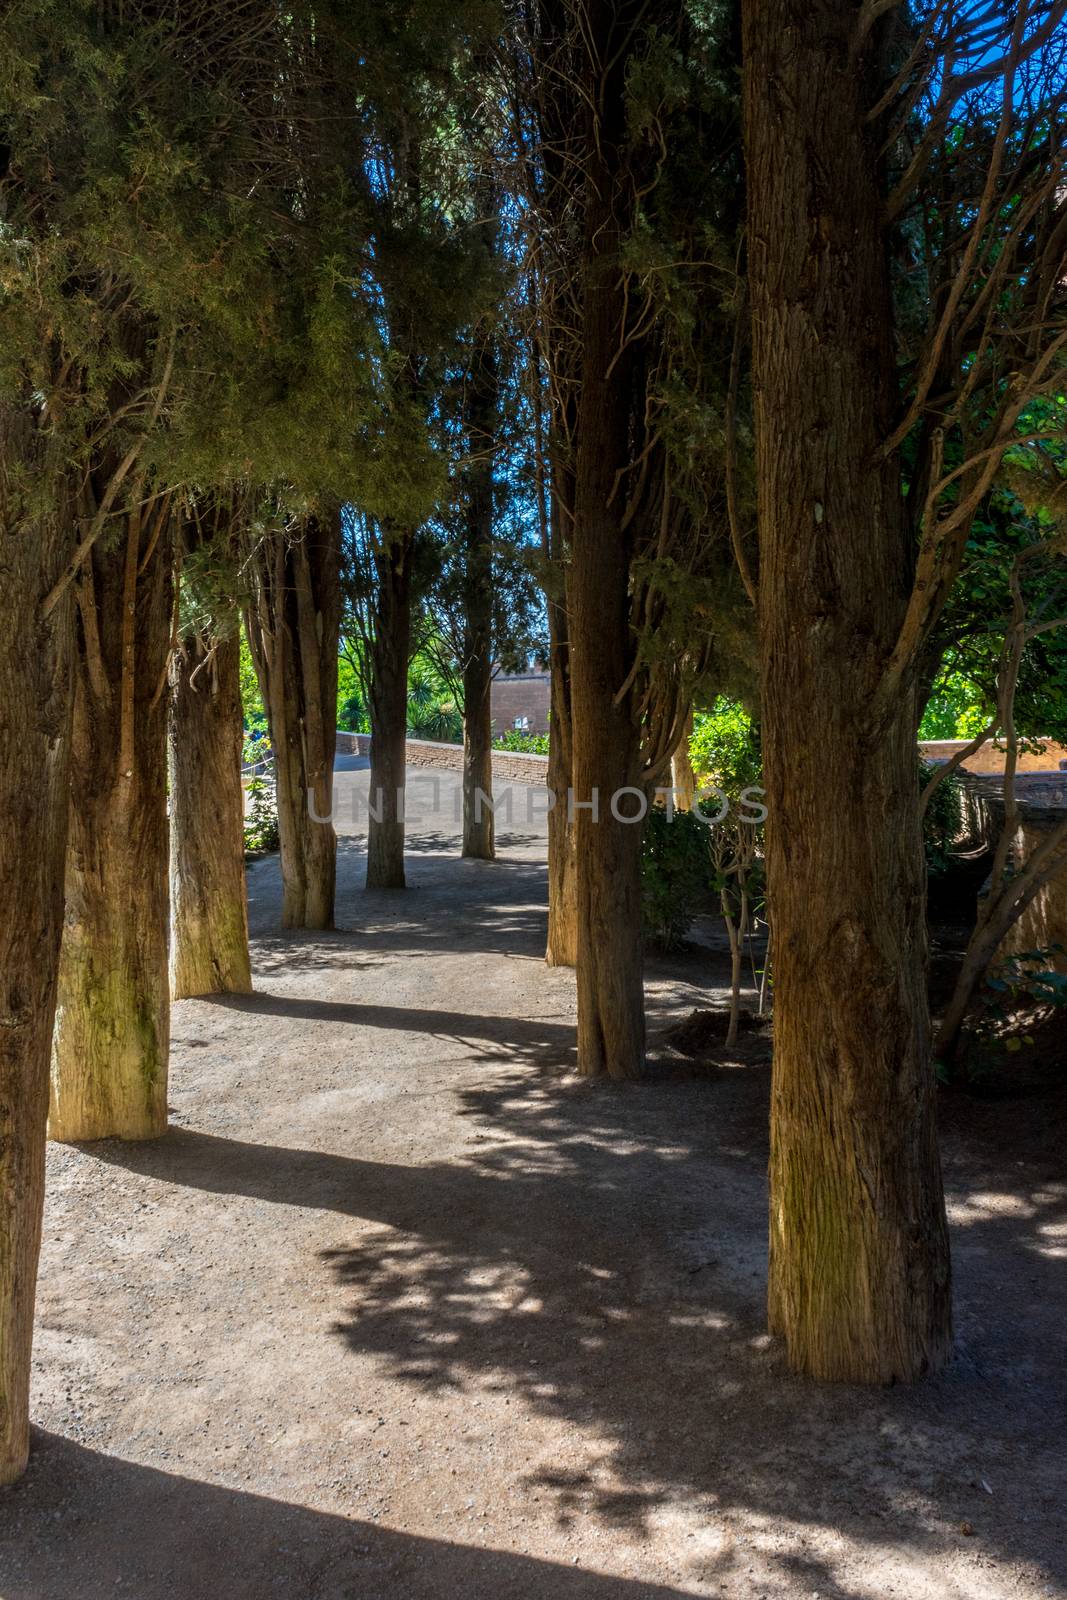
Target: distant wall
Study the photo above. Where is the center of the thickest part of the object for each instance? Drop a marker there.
(518, 695)
(508, 766)
(988, 759)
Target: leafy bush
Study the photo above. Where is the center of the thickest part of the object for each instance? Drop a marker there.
(528, 744)
(724, 747)
(674, 875)
(261, 815)
(438, 720)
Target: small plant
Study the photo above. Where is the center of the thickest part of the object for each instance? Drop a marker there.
(261, 816)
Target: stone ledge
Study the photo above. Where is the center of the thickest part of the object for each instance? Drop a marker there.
(509, 766)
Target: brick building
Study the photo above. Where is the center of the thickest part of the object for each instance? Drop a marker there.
(521, 700)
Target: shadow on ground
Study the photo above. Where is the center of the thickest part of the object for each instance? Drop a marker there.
(207, 1541)
(600, 1254)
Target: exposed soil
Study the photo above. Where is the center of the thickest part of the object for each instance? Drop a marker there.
(401, 1308)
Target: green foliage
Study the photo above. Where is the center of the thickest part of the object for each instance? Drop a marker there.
(943, 821)
(255, 717)
(432, 710)
(724, 747)
(1025, 987)
(674, 875)
(957, 707)
(963, 697)
(529, 744)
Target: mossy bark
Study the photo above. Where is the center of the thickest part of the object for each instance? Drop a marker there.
(683, 778)
(208, 903)
(293, 631)
(35, 658)
(109, 1062)
(859, 1262)
(562, 947)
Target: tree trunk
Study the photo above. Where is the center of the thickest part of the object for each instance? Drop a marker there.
(859, 1264)
(562, 948)
(390, 654)
(209, 911)
(683, 778)
(606, 751)
(293, 630)
(112, 1035)
(478, 825)
(35, 657)
(479, 833)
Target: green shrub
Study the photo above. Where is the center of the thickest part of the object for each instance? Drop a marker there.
(675, 875)
(724, 747)
(527, 744)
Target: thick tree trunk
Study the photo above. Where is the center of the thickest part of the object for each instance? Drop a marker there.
(208, 904)
(112, 1034)
(562, 950)
(390, 655)
(35, 657)
(293, 630)
(859, 1268)
(606, 752)
(478, 826)
(683, 778)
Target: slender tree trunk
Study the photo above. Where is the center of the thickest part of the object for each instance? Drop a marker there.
(683, 778)
(859, 1264)
(35, 658)
(209, 911)
(112, 1034)
(390, 655)
(479, 833)
(294, 631)
(606, 753)
(478, 825)
(562, 948)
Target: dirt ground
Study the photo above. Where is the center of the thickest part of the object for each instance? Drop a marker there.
(399, 1308)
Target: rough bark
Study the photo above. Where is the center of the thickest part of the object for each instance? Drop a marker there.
(562, 949)
(35, 656)
(112, 1034)
(859, 1265)
(208, 903)
(293, 630)
(390, 655)
(606, 750)
(478, 822)
(683, 778)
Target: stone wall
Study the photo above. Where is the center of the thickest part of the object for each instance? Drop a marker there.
(1042, 808)
(508, 766)
(988, 760)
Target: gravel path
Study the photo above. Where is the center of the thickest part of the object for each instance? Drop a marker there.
(400, 1308)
